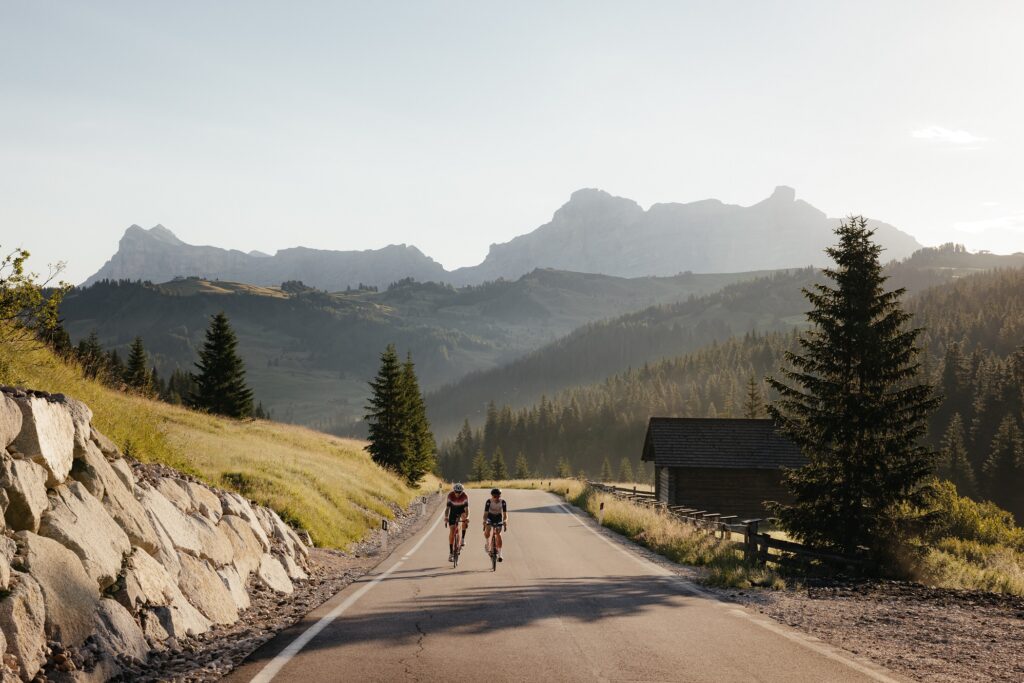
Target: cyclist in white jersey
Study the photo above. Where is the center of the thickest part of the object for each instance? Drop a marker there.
(495, 520)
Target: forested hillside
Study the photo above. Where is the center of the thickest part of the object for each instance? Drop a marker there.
(974, 343)
(308, 353)
(607, 347)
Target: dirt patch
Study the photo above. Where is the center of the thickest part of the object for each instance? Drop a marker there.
(929, 634)
(216, 653)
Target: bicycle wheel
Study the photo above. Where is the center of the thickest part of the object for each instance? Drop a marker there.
(494, 557)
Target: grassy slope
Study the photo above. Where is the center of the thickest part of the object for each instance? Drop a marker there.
(324, 484)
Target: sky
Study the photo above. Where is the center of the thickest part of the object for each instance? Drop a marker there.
(455, 125)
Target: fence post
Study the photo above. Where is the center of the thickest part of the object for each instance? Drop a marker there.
(384, 542)
(423, 505)
(600, 515)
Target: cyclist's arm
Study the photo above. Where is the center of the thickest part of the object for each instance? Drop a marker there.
(504, 514)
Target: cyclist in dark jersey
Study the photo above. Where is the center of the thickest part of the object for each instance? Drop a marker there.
(496, 519)
(456, 510)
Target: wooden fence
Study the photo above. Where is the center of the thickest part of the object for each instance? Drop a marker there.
(757, 545)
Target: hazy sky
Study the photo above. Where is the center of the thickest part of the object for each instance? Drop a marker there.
(452, 125)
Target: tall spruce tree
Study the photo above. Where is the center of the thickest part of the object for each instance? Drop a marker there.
(387, 413)
(606, 470)
(137, 375)
(481, 469)
(856, 408)
(954, 463)
(420, 454)
(498, 468)
(625, 470)
(522, 466)
(564, 469)
(753, 404)
(220, 385)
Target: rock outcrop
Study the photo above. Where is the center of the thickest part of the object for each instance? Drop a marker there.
(102, 561)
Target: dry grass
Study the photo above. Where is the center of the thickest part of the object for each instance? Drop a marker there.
(326, 485)
(665, 535)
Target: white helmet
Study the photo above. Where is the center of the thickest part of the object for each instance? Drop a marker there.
(457, 488)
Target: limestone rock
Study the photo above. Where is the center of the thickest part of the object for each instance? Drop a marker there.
(47, 436)
(166, 554)
(204, 501)
(69, 592)
(236, 505)
(22, 620)
(276, 529)
(117, 499)
(107, 447)
(25, 484)
(10, 421)
(205, 589)
(148, 590)
(78, 521)
(172, 490)
(235, 585)
(117, 633)
(248, 551)
(295, 572)
(81, 417)
(213, 542)
(271, 573)
(123, 471)
(8, 549)
(166, 516)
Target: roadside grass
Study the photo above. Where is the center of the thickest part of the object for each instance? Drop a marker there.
(324, 484)
(722, 560)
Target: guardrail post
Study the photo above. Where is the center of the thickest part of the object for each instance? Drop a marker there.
(384, 542)
(423, 505)
(600, 514)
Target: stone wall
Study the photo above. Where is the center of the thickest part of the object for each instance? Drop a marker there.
(102, 562)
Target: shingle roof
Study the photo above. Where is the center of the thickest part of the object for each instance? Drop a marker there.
(718, 442)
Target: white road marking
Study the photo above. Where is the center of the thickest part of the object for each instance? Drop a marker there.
(275, 665)
(798, 638)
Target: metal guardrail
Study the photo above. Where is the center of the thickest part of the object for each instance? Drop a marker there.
(756, 545)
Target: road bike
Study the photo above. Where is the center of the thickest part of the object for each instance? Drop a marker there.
(492, 543)
(457, 544)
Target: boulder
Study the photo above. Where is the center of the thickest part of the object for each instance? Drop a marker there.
(124, 472)
(147, 586)
(10, 421)
(295, 572)
(69, 593)
(107, 447)
(273, 575)
(117, 499)
(22, 621)
(78, 521)
(277, 530)
(81, 417)
(235, 585)
(47, 436)
(117, 633)
(248, 551)
(213, 542)
(205, 589)
(25, 484)
(204, 501)
(166, 516)
(166, 554)
(172, 490)
(8, 549)
(236, 505)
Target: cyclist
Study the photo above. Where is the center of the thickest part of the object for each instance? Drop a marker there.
(456, 510)
(496, 519)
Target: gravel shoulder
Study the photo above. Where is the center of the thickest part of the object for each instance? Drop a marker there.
(215, 654)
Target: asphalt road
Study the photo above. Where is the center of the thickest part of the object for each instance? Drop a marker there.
(567, 604)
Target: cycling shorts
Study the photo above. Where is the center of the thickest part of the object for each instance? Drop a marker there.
(455, 514)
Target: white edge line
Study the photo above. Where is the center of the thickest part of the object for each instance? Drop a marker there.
(275, 665)
(798, 638)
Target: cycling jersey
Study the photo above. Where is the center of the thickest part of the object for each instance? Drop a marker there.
(457, 505)
(495, 510)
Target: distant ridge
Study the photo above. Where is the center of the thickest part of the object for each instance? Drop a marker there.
(594, 232)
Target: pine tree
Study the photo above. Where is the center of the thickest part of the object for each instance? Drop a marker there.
(606, 470)
(1004, 467)
(625, 470)
(855, 407)
(220, 382)
(753, 405)
(522, 467)
(420, 455)
(387, 412)
(953, 461)
(498, 468)
(137, 375)
(90, 355)
(481, 470)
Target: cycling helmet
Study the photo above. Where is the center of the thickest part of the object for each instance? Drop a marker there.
(457, 488)
(495, 492)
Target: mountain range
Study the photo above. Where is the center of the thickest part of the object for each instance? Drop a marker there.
(594, 232)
